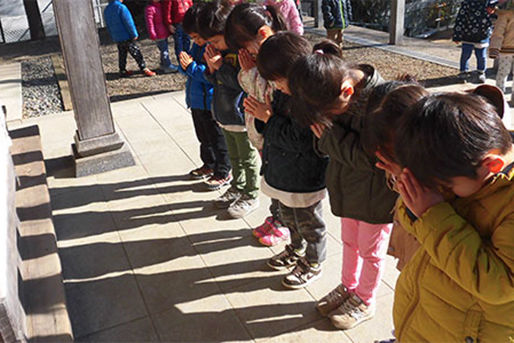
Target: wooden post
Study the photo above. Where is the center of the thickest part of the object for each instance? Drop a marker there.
(97, 146)
(396, 27)
(318, 19)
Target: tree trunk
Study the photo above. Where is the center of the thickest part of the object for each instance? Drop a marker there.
(34, 17)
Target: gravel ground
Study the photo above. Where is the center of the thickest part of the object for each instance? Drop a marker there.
(40, 91)
(41, 96)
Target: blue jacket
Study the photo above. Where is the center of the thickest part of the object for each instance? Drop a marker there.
(119, 22)
(227, 101)
(198, 88)
(473, 23)
(336, 13)
(290, 162)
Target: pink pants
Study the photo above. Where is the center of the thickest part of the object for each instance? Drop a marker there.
(364, 250)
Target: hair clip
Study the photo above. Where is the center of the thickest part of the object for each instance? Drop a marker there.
(319, 52)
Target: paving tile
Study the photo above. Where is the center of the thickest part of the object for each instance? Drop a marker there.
(140, 330)
(98, 304)
(390, 273)
(268, 309)
(77, 263)
(379, 327)
(317, 331)
(209, 319)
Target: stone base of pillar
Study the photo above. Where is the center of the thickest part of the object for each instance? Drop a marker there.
(102, 162)
(96, 145)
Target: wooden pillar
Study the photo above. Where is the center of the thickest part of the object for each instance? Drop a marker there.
(318, 14)
(97, 146)
(396, 27)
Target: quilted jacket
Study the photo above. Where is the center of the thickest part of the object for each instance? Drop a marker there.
(154, 21)
(336, 13)
(459, 286)
(119, 22)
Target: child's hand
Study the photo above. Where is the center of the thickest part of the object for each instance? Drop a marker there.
(388, 165)
(172, 29)
(258, 109)
(246, 61)
(318, 129)
(135, 38)
(185, 59)
(213, 58)
(417, 198)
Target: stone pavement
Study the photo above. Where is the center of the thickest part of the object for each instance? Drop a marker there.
(146, 257)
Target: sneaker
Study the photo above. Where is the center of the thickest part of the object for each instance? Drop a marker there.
(125, 73)
(148, 72)
(302, 275)
(216, 182)
(480, 77)
(463, 76)
(227, 198)
(332, 300)
(286, 258)
(243, 206)
(169, 69)
(200, 173)
(391, 340)
(276, 236)
(263, 229)
(351, 313)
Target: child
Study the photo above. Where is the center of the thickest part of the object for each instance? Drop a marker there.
(290, 12)
(473, 27)
(123, 31)
(458, 287)
(242, 197)
(332, 96)
(159, 33)
(213, 149)
(174, 11)
(502, 44)
(294, 173)
(336, 14)
(248, 26)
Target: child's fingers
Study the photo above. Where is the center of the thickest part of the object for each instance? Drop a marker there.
(409, 186)
(404, 193)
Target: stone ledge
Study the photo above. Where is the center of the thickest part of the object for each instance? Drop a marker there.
(42, 286)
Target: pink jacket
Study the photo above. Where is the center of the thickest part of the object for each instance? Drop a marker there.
(290, 13)
(154, 22)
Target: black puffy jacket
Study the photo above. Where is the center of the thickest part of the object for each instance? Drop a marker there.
(336, 13)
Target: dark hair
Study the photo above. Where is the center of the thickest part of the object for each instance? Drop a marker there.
(279, 52)
(211, 19)
(381, 122)
(246, 19)
(447, 135)
(189, 23)
(316, 80)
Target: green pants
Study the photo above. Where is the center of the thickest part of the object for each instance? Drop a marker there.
(245, 163)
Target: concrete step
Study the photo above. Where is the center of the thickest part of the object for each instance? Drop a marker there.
(42, 286)
(10, 91)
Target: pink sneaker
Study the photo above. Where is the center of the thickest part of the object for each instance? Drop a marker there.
(264, 228)
(276, 236)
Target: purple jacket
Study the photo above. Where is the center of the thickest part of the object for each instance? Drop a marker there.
(154, 22)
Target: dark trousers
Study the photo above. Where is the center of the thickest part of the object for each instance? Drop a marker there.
(213, 148)
(130, 46)
(308, 230)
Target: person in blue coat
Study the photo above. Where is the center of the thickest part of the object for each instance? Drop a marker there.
(213, 149)
(336, 17)
(122, 29)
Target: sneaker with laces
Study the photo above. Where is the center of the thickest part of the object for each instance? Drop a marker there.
(148, 72)
(286, 258)
(264, 228)
(332, 300)
(200, 173)
(351, 313)
(227, 198)
(216, 182)
(242, 206)
(302, 275)
(276, 236)
(463, 76)
(480, 77)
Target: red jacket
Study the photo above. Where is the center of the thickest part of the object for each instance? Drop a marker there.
(174, 10)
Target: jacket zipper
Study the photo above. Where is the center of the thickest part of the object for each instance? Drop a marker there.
(415, 300)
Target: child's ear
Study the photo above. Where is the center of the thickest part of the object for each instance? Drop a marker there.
(493, 163)
(265, 31)
(347, 90)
